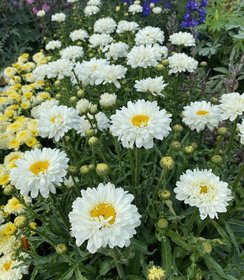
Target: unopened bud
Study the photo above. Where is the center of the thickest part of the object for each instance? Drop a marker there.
(222, 130)
(207, 247)
(8, 190)
(61, 248)
(156, 273)
(167, 162)
(165, 62)
(203, 64)
(102, 169)
(194, 145)
(72, 169)
(93, 109)
(217, 159)
(188, 149)
(165, 194)
(90, 132)
(175, 145)
(162, 223)
(84, 169)
(58, 96)
(91, 167)
(21, 221)
(93, 141)
(178, 128)
(80, 93)
(160, 67)
(73, 99)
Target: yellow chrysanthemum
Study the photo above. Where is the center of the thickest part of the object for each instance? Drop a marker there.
(23, 135)
(8, 229)
(14, 127)
(25, 105)
(28, 94)
(14, 206)
(9, 72)
(14, 144)
(10, 159)
(31, 142)
(4, 179)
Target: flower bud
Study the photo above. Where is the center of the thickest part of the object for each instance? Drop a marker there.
(188, 150)
(73, 99)
(217, 159)
(72, 169)
(80, 93)
(90, 132)
(33, 225)
(175, 145)
(58, 96)
(17, 245)
(57, 83)
(222, 130)
(203, 64)
(165, 194)
(102, 169)
(162, 223)
(93, 109)
(207, 247)
(194, 145)
(117, 8)
(156, 273)
(84, 169)
(83, 106)
(152, 5)
(21, 221)
(159, 67)
(61, 248)
(93, 141)
(91, 167)
(8, 190)
(178, 128)
(167, 162)
(165, 62)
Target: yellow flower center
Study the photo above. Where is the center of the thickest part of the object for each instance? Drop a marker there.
(140, 120)
(202, 112)
(203, 189)
(105, 210)
(39, 167)
(7, 265)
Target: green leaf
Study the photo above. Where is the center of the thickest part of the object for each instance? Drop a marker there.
(106, 266)
(212, 264)
(78, 274)
(176, 238)
(67, 275)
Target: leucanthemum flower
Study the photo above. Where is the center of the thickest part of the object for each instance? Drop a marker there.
(104, 25)
(205, 190)
(72, 53)
(79, 34)
(241, 131)
(52, 45)
(8, 270)
(135, 8)
(182, 38)
(116, 50)
(100, 40)
(149, 35)
(105, 217)
(108, 100)
(56, 121)
(151, 85)
(112, 73)
(144, 56)
(91, 10)
(126, 26)
(140, 123)
(201, 114)
(58, 17)
(39, 171)
(180, 62)
(231, 105)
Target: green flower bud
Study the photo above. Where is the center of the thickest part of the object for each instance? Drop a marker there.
(8, 190)
(102, 169)
(175, 145)
(73, 99)
(21, 221)
(162, 223)
(72, 169)
(165, 62)
(217, 159)
(61, 248)
(165, 194)
(156, 273)
(58, 96)
(203, 64)
(80, 93)
(222, 130)
(84, 169)
(194, 145)
(91, 167)
(93, 141)
(207, 247)
(159, 67)
(167, 162)
(178, 128)
(188, 150)
(90, 132)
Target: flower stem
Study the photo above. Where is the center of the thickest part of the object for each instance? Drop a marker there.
(119, 267)
(137, 166)
(239, 176)
(232, 137)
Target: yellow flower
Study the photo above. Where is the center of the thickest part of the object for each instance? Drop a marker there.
(13, 127)
(156, 273)
(4, 179)
(26, 88)
(28, 94)
(9, 113)
(23, 135)
(39, 58)
(13, 144)
(14, 96)
(10, 159)
(17, 79)
(43, 96)
(13, 206)
(23, 58)
(29, 66)
(31, 142)
(33, 225)
(8, 229)
(9, 72)
(25, 105)
(29, 77)
(39, 84)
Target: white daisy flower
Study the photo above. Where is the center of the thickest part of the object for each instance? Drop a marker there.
(2, 219)
(241, 134)
(72, 53)
(91, 72)
(135, 8)
(232, 105)
(157, 10)
(58, 17)
(52, 45)
(126, 26)
(152, 85)
(100, 40)
(102, 121)
(105, 25)
(8, 269)
(39, 171)
(140, 123)
(112, 73)
(201, 114)
(149, 35)
(108, 100)
(91, 10)
(180, 62)
(105, 217)
(43, 106)
(116, 50)
(79, 34)
(82, 126)
(144, 56)
(182, 38)
(56, 121)
(203, 189)
(94, 2)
